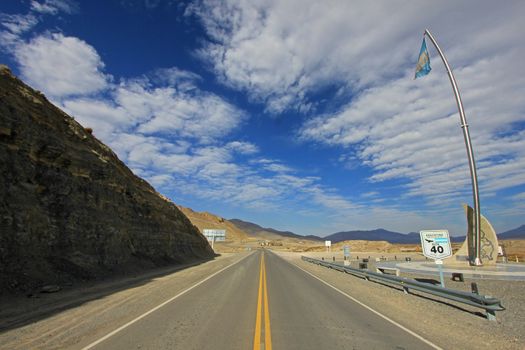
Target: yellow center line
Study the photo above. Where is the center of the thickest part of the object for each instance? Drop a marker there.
(267, 329)
(257, 336)
(258, 320)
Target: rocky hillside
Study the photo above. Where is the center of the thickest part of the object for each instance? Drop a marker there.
(269, 233)
(69, 208)
(205, 220)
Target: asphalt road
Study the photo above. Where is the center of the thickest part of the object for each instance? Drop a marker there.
(262, 302)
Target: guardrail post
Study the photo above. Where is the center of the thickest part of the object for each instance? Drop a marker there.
(491, 315)
(488, 303)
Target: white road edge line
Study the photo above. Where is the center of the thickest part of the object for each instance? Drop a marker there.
(90, 346)
(428, 342)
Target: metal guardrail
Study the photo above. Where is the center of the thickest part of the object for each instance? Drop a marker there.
(489, 304)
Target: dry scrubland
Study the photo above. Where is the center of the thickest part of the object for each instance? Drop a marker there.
(239, 240)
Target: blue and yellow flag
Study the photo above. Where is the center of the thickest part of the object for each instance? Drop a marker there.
(423, 63)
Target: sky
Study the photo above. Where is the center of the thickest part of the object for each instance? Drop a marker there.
(300, 115)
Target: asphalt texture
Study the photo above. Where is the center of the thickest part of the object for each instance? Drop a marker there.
(263, 302)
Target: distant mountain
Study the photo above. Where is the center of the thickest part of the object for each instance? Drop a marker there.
(374, 235)
(410, 238)
(517, 233)
(256, 230)
(380, 234)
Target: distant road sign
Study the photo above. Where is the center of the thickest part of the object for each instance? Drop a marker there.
(214, 235)
(435, 244)
(346, 251)
(327, 243)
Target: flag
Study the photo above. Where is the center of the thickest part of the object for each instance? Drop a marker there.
(423, 63)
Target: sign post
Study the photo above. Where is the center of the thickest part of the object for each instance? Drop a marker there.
(436, 245)
(346, 253)
(214, 235)
(328, 244)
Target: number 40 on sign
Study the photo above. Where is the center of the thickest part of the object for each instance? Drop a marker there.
(435, 244)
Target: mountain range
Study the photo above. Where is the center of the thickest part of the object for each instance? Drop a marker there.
(269, 233)
(370, 235)
(410, 238)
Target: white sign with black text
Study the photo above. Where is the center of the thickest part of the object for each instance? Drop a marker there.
(435, 244)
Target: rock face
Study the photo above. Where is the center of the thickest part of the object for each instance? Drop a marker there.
(69, 208)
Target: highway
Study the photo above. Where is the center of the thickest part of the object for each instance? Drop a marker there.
(261, 302)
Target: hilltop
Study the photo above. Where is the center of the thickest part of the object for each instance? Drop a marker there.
(269, 233)
(242, 235)
(236, 238)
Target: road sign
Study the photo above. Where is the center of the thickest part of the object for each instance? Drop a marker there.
(435, 244)
(217, 235)
(214, 235)
(327, 243)
(346, 251)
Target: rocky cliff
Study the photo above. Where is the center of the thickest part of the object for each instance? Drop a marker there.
(69, 208)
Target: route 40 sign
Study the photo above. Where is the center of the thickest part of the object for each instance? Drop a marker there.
(435, 244)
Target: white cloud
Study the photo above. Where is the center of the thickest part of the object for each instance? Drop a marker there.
(104, 117)
(371, 194)
(53, 7)
(18, 24)
(276, 51)
(173, 76)
(519, 197)
(246, 148)
(279, 51)
(167, 110)
(410, 129)
(60, 65)
(278, 168)
(282, 53)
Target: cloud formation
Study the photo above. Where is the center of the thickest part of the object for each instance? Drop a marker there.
(410, 129)
(284, 53)
(164, 126)
(53, 7)
(61, 65)
(279, 52)
(344, 70)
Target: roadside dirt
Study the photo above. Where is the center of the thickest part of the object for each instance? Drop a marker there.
(74, 317)
(448, 324)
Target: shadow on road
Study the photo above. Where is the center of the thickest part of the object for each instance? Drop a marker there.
(20, 310)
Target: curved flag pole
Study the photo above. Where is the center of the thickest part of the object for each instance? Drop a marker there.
(470, 153)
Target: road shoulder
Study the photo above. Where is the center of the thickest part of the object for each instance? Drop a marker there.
(446, 324)
(79, 316)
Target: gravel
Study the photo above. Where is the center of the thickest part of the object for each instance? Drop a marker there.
(448, 324)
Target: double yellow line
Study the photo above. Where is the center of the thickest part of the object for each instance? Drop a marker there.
(258, 321)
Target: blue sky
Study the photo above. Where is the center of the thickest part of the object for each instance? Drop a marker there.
(299, 115)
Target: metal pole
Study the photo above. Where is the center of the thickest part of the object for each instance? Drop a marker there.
(470, 154)
(441, 279)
